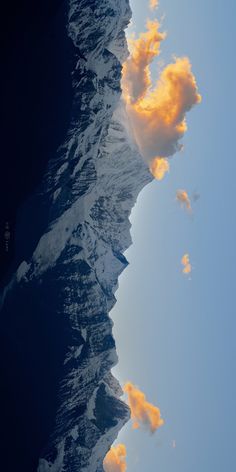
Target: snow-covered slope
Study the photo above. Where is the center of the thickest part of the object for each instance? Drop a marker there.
(90, 189)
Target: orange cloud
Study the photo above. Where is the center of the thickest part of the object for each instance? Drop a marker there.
(153, 4)
(142, 412)
(183, 198)
(157, 112)
(115, 460)
(136, 76)
(158, 119)
(186, 263)
(158, 167)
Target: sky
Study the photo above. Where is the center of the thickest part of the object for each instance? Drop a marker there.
(175, 333)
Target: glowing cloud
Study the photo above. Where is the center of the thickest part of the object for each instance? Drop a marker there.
(142, 412)
(183, 198)
(186, 263)
(153, 4)
(136, 76)
(158, 119)
(115, 460)
(157, 112)
(158, 167)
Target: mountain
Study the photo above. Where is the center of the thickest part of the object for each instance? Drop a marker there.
(57, 331)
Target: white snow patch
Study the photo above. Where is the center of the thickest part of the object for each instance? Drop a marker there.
(57, 466)
(91, 405)
(56, 194)
(22, 271)
(84, 333)
(74, 433)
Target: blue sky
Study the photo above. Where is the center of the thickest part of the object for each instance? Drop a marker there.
(176, 337)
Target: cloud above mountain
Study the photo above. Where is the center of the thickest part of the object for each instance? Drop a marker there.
(136, 77)
(183, 199)
(157, 111)
(187, 267)
(159, 167)
(143, 413)
(153, 4)
(115, 460)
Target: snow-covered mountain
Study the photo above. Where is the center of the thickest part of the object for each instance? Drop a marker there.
(89, 190)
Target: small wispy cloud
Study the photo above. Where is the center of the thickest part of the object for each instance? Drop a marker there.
(187, 267)
(153, 4)
(158, 167)
(143, 413)
(183, 199)
(115, 460)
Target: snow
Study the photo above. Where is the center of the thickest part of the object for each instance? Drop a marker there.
(57, 466)
(84, 333)
(91, 405)
(89, 228)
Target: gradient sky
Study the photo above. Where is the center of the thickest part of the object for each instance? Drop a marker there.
(176, 337)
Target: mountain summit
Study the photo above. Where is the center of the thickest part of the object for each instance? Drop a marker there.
(56, 305)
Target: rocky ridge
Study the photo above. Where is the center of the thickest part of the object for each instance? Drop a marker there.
(90, 189)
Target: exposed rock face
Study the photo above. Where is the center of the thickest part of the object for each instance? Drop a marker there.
(89, 190)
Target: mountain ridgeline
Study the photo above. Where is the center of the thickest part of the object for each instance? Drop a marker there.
(62, 408)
